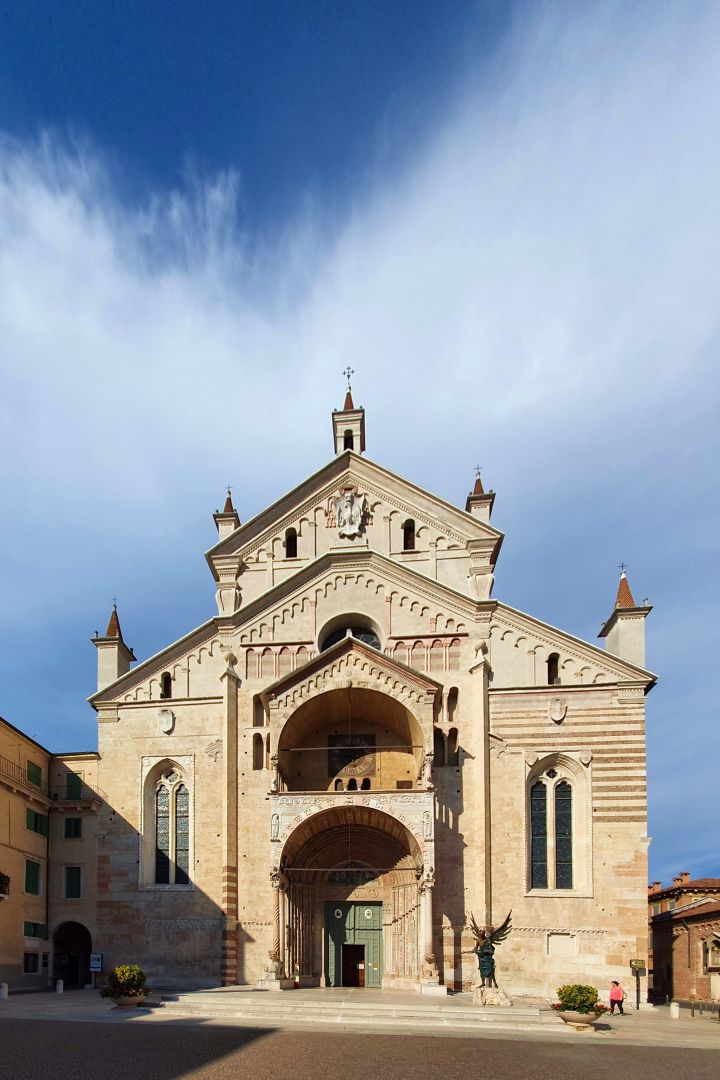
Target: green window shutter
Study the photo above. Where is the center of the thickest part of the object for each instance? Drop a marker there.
(72, 882)
(30, 819)
(34, 773)
(36, 822)
(32, 877)
(73, 828)
(73, 786)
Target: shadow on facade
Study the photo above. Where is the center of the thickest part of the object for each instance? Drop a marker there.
(450, 847)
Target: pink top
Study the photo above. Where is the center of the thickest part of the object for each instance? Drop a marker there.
(616, 993)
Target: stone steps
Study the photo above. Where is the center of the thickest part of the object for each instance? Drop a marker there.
(295, 1010)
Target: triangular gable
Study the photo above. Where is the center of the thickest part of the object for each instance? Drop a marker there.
(350, 468)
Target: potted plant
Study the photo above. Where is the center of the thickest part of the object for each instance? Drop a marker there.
(4, 886)
(126, 986)
(578, 1004)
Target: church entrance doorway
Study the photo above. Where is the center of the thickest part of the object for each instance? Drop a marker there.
(72, 946)
(353, 944)
(353, 965)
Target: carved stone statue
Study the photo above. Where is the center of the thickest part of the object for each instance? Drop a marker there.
(350, 509)
(485, 943)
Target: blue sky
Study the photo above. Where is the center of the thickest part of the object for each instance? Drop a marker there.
(503, 216)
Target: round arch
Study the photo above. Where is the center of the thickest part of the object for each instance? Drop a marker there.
(72, 945)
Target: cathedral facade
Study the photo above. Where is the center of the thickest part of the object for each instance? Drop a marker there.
(321, 783)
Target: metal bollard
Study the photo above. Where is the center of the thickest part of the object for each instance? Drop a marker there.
(59, 986)
(3, 991)
(692, 1006)
(674, 1010)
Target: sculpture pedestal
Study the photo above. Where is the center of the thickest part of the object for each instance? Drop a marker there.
(488, 995)
(271, 983)
(433, 988)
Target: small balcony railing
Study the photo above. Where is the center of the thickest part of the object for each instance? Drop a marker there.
(73, 792)
(18, 775)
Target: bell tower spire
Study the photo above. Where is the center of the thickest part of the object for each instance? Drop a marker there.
(349, 422)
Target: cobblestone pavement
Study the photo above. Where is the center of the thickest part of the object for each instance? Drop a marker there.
(54, 1050)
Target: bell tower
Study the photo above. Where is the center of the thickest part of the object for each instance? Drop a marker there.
(349, 423)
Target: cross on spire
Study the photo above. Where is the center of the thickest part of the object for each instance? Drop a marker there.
(622, 567)
(348, 372)
(114, 603)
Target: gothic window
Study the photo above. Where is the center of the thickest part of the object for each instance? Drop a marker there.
(553, 662)
(166, 685)
(552, 840)
(408, 531)
(172, 830)
(291, 544)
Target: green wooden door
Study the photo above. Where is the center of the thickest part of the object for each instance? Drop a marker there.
(353, 924)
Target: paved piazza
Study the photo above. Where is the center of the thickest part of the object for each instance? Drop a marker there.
(163, 1051)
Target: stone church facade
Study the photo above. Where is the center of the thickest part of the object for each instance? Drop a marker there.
(320, 783)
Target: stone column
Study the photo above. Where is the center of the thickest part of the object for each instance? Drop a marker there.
(274, 977)
(429, 975)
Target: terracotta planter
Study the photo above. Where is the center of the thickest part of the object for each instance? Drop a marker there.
(126, 1001)
(577, 1019)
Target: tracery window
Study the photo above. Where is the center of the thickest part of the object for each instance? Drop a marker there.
(551, 814)
(172, 830)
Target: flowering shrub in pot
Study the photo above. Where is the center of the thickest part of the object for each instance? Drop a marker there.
(126, 985)
(578, 1004)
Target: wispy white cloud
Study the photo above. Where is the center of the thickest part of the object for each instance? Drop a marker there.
(537, 288)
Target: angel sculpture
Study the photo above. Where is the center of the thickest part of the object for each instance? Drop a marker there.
(485, 943)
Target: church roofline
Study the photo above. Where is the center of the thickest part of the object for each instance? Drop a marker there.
(346, 462)
(608, 659)
(137, 674)
(345, 645)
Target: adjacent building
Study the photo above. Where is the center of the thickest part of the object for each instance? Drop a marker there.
(48, 867)
(684, 957)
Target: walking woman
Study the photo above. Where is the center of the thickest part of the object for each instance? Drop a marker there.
(617, 996)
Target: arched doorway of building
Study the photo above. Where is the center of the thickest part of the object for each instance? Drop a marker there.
(353, 904)
(72, 946)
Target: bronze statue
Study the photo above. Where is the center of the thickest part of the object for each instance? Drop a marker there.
(485, 943)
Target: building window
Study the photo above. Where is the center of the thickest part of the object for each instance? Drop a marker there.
(34, 929)
(553, 664)
(166, 685)
(73, 786)
(172, 830)
(408, 531)
(72, 885)
(73, 828)
(556, 797)
(291, 545)
(348, 440)
(34, 774)
(32, 877)
(36, 822)
(31, 963)
(258, 752)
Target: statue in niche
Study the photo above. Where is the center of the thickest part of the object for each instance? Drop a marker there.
(485, 942)
(350, 510)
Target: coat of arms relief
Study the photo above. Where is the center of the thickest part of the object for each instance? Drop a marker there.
(349, 513)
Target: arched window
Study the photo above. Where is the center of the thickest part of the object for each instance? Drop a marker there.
(408, 531)
(365, 785)
(166, 685)
(348, 440)
(172, 830)
(258, 752)
(438, 748)
(452, 705)
(453, 750)
(352, 784)
(552, 840)
(357, 630)
(258, 712)
(291, 547)
(553, 662)
(339, 785)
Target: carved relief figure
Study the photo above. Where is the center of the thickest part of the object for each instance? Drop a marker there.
(350, 509)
